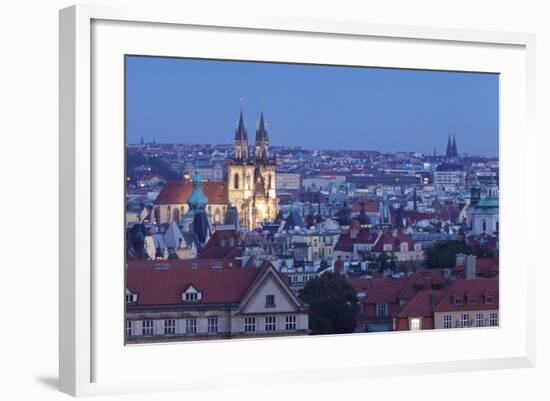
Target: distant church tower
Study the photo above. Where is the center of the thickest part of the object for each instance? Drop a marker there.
(452, 150)
(252, 181)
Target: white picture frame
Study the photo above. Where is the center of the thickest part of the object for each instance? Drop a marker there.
(93, 360)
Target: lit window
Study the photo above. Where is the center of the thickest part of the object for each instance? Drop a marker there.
(493, 321)
(212, 324)
(249, 324)
(479, 319)
(465, 320)
(147, 327)
(191, 326)
(447, 322)
(381, 309)
(415, 324)
(291, 322)
(169, 326)
(270, 323)
(270, 301)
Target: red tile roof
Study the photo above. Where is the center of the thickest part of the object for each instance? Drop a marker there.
(422, 304)
(385, 290)
(422, 279)
(395, 241)
(364, 236)
(164, 287)
(477, 288)
(177, 192)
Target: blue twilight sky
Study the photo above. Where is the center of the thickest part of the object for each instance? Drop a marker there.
(175, 100)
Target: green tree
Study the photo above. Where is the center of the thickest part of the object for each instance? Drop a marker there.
(443, 254)
(332, 304)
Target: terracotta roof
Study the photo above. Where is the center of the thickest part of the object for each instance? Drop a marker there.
(477, 288)
(364, 236)
(164, 287)
(422, 304)
(177, 192)
(388, 239)
(385, 290)
(221, 252)
(422, 279)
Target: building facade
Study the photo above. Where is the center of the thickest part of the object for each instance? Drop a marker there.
(252, 181)
(177, 304)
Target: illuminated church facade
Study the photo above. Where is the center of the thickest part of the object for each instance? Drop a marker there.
(250, 187)
(251, 180)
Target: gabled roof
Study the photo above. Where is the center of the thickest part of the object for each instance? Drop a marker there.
(178, 192)
(422, 304)
(385, 290)
(476, 288)
(364, 236)
(395, 241)
(164, 287)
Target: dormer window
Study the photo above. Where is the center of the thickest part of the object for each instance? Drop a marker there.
(270, 301)
(471, 300)
(489, 299)
(457, 300)
(131, 298)
(191, 294)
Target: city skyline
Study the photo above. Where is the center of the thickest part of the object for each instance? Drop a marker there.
(172, 100)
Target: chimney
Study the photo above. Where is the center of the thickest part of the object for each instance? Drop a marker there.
(460, 259)
(471, 267)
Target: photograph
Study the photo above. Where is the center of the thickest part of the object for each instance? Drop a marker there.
(271, 199)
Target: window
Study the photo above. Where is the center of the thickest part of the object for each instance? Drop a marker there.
(212, 324)
(270, 301)
(147, 327)
(479, 319)
(381, 309)
(291, 323)
(471, 300)
(489, 299)
(249, 324)
(465, 320)
(128, 328)
(236, 181)
(191, 296)
(457, 300)
(447, 321)
(169, 326)
(415, 324)
(131, 298)
(493, 321)
(270, 323)
(191, 326)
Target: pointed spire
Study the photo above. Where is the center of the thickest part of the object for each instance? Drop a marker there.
(262, 140)
(449, 152)
(455, 150)
(240, 132)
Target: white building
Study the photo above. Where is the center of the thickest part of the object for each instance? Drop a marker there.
(176, 304)
(449, 177)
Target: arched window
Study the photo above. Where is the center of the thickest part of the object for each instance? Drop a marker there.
(484, 226)
(217, 216)
(236, 181)
(269, 182)
(176, 215)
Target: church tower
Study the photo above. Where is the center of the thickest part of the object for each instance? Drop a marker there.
(252, 181)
